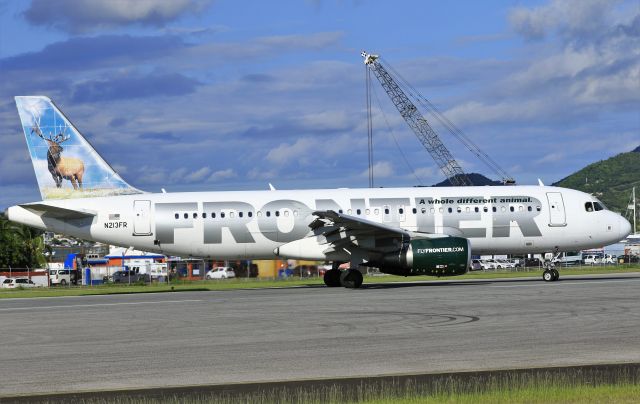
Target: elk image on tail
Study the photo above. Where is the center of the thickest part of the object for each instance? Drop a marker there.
(68, 168)
(65, 164)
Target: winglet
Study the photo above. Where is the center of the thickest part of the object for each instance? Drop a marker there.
(271, 187)
(540, 182)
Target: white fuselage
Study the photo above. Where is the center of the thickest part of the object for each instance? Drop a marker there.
(252, 224)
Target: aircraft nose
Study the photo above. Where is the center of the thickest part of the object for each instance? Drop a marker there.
(625, 228)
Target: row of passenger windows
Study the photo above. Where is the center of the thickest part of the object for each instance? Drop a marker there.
(367, 212)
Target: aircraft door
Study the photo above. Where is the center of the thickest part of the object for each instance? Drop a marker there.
(142, 218)
(557, 215)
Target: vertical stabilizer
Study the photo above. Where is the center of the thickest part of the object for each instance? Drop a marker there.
(66, 165)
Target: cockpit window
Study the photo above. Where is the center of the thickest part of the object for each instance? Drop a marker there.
(588, 207)
(598, 206)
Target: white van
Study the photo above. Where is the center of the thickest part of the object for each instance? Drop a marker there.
(60, 277)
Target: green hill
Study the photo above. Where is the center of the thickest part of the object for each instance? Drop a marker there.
(609, 180)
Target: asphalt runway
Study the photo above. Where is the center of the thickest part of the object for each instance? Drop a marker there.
(196, 338)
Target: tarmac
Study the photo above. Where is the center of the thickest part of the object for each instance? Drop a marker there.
(91, 343)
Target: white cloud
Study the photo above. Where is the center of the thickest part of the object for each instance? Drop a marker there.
(197, 175)
(572, 18)
(284, 153)
(381, 169)
(93, 15)
(221, 175)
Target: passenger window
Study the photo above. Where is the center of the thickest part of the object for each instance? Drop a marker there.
(386, 211)
(295, 213)
(232, 214)
(286, 213)
(195, 215)
(477, 209)
(259, 214)
(401, 211)
(485, 209)
(459, 209)
(440, 210)
(495, 209)
(415, 211)
(213, 215)
(520, 208)
(339, 210)
(468, 209)
(240, 214)
(511, 208)
(503, 209)
(349, 211)
(204, 215)
(450, 210)
(177, 216)
(376, 212)
(529, 208)
(268, 213)
(277, 213)
(538, 208)
(186, 215)
(357, 211)
(367, 212)
(222, 215)
(249, 214)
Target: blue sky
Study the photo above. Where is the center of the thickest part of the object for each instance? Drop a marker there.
(224, 95)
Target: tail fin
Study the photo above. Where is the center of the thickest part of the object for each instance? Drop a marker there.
(66, 165)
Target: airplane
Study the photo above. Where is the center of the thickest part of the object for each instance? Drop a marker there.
(401, 231)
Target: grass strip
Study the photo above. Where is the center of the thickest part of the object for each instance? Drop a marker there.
(256, 283)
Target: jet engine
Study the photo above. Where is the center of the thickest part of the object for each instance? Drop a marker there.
(442, 256)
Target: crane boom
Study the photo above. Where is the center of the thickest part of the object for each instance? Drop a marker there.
(425, 133)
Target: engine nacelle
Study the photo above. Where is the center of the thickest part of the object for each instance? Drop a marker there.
(443, 256)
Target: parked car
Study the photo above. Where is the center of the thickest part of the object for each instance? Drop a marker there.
(628, 259)
(533, 262)
(592, 259)
(475, 265)
(129, 277)
(220, 273)
(14, 283)
(483, 264)
(62, 277)
(505, 263)
(609, 259)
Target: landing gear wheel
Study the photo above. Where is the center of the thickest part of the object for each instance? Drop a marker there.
(548, 275)
(332, 278)
(556, 274)
(351, 278)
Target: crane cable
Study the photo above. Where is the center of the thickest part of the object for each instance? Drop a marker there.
(369, 125)
(393, 136)
(454, 130)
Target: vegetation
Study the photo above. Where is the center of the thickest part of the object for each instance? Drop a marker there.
(610, 180)
(20, 246)
(618, 384)
(257, 283)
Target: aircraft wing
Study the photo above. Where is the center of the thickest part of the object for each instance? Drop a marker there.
(57, 212)
(342, 231)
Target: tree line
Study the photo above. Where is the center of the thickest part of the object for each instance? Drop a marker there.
(20, 246)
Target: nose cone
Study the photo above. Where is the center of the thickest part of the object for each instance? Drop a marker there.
(625, 228)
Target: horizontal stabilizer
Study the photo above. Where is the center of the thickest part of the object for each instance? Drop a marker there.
(58, 212)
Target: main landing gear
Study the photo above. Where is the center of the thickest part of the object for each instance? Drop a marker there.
(350, 278)
(550, 273)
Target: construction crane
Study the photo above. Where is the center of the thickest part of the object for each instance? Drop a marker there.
(425, 133)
